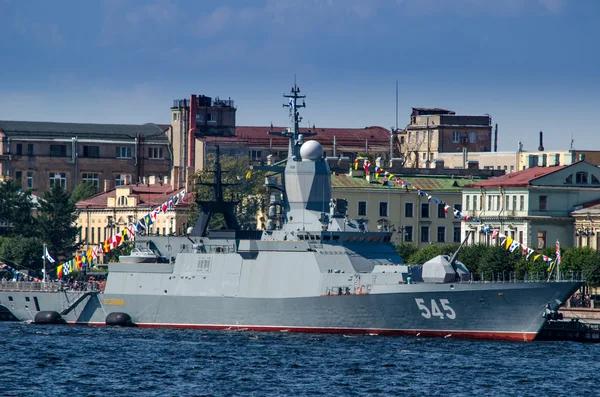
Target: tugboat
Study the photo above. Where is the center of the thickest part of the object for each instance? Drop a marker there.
(312, 269)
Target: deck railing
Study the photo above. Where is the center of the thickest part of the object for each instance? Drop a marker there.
(30, 286)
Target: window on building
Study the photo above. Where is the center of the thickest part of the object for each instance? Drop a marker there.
(514, 203)
(60, 178)
(521, 203)
(595, 180)
(467, 202)
(29, 183)
(123, 152)
(521, 237)
(408, 210)
(383, 208)
(121, 179)
(19, 149)
(498, 202)
(441, 234)
(200, 117)
(456, 136)
(94, 179)
(19, 177)
(58, 150)
(91, 151)
(441, 212)
(581, 177)
(155, 153)
(543, 203)
(408, 235)
(474, 203)
(175, 116)
(541, 240)
(424, 210)
(489, 207)
(424, 234)
(211, 117)
(569, 180)
(255, 154)
(456, 234)
(362, 208)
(30, 149)
(512, 168)
(473, 137)
(93, 237)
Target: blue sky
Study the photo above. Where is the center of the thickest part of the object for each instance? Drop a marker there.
(532, 64)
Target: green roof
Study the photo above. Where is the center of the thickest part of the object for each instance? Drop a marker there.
(426, 183)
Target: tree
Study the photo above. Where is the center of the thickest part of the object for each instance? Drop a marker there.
(56, 218)
(406, 250)
(23, 253)
(496, 263)
(83, 191)
(249, 192)
(424, 255)
(471, 256)
(16, 210)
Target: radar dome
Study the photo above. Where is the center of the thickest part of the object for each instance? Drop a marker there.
(311, 151)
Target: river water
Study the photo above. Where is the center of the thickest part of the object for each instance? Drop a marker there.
(60, 360)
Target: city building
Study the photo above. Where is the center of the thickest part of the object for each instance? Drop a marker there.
(201, 123)
(39, 154)
(108, 213)
(586, 219)
(532, 206)
(414, 218)
(434, 130)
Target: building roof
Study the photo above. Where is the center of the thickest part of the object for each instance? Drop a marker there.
(591, 207)
(46, 129)
(148, 196)
(437, 184)
(516, 179)
(345, 137)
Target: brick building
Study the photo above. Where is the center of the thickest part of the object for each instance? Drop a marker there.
(39, 154)
(433, 130)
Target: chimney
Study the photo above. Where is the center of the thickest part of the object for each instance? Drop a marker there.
(541, 147)
(496, 138)
(581, 157)
(127, 180)
(439, 164)
(152, 179)
(191, 147)
(472, 165)
(106, 185)
(176, 178)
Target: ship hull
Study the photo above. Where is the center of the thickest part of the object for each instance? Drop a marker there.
(508, 311)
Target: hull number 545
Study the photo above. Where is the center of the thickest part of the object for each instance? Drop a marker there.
(433, 310)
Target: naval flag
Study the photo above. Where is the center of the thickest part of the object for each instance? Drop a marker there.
(47, 255)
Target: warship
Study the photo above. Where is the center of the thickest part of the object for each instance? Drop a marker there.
(312, 269)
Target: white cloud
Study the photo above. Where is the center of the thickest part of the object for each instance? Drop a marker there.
(161, 12)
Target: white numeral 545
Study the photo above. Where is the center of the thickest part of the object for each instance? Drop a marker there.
(435, 309)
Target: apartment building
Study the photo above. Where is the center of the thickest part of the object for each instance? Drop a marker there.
(40, 154)
(532, 206)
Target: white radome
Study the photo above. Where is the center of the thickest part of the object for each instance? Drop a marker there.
(311, 151)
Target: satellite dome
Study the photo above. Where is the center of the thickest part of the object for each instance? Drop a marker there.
(311, 151)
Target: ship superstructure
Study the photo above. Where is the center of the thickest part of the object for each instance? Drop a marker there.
(312, 269)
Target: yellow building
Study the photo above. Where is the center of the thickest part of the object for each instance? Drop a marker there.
(107, 214)
(415, 218)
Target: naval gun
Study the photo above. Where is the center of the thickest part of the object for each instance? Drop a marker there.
(445, 268)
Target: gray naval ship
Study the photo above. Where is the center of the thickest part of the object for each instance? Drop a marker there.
(311, 270)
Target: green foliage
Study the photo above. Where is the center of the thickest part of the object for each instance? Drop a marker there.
(16, 210)
(23, 253)
(83, 191)
(123, 249)
(406, 250)
(585, 260)
(56, 218)
(250, 193)
(496, 263)
(424, 255)
(471, 256)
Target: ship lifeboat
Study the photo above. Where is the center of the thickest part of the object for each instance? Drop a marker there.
(119, 319)
(48, 317)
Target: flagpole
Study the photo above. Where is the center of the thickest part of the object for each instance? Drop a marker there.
(44, 257)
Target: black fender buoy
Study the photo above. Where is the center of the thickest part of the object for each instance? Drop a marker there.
(119, 319)
(48, 317)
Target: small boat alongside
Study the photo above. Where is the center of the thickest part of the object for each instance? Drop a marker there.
(140, 255)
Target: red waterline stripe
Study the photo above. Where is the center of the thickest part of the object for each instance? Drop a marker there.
(495, 335)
